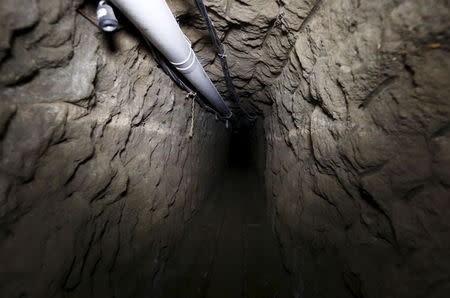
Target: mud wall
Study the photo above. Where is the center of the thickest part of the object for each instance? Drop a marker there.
(358, 150)
(98, 174)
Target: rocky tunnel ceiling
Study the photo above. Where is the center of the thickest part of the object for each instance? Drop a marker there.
(258, 38)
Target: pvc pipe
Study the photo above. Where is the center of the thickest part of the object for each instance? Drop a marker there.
(157, 23)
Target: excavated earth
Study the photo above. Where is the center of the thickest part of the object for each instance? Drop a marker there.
(103, 192)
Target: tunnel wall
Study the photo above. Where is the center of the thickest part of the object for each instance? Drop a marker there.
(358, 151)
(357, 143)
(97, 173)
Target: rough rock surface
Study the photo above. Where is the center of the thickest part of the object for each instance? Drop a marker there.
(97, 171)
(258, 36)
(95, 157)
(358, 150)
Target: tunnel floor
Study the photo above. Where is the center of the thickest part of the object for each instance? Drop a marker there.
(229, 249)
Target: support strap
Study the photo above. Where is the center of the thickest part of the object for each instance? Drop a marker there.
(223, 58)
(191, 129)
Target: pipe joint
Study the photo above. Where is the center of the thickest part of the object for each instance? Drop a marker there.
(188, 65)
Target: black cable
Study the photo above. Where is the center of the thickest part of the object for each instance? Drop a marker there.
(223, 58)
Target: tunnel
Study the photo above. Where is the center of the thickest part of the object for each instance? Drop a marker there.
(329, 178)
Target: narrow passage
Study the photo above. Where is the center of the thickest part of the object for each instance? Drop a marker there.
(229, 250)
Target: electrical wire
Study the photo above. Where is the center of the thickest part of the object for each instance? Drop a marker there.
(223, 58)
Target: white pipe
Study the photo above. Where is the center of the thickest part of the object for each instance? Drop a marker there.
(155, 20)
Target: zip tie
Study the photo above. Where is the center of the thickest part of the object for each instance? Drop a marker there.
(222, 55)
(191, 130)
(191, 95)
(228, 117)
